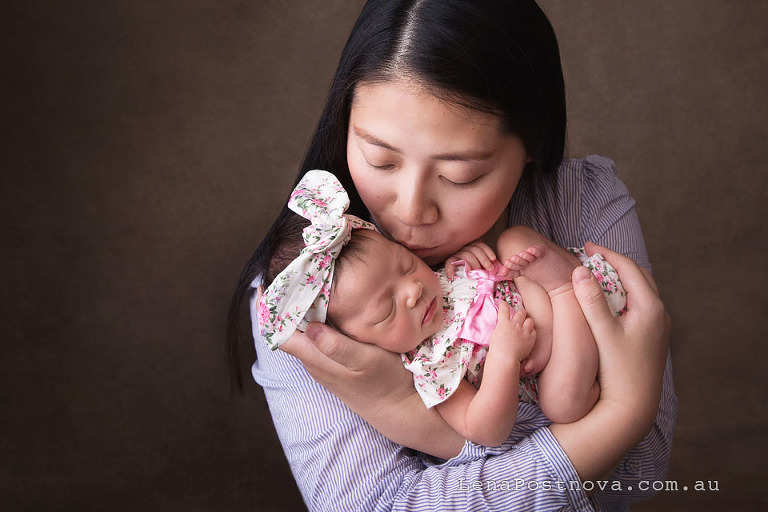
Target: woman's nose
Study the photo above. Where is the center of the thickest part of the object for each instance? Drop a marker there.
(413, 290)
(414, 206)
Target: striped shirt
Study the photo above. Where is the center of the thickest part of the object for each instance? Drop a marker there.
(341, 463)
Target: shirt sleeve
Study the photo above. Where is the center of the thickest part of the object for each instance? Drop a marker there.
(341, 463)
(608, 216)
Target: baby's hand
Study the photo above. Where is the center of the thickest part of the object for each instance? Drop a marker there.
(477, 255)
(515, 335)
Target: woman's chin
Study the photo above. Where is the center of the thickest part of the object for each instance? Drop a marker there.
(432, 256)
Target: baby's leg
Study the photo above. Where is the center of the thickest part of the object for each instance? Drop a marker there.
(567, 385)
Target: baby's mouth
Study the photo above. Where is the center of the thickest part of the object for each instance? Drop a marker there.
(429, 314)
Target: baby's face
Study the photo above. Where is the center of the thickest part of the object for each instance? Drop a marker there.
(388, 297)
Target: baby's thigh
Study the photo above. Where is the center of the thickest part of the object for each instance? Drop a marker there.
(538, 306)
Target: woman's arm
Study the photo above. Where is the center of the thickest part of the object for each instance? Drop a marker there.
(630, 375)
(374, 383)
(341, 463)
(338, 460)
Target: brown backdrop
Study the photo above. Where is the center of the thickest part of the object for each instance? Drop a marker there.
(147, 146)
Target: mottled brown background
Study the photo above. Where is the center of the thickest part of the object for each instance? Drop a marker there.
(147, 145)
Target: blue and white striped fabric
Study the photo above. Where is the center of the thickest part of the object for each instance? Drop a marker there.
(342, 463)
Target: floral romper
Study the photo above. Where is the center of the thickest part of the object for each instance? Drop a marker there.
(441, 361)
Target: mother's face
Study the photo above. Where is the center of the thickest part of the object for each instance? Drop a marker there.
(434, 175)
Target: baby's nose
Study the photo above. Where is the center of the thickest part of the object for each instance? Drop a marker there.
(415, 290)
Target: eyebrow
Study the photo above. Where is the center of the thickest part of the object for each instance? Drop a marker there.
(461, 156)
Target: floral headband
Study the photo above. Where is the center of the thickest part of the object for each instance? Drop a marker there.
(299, 294)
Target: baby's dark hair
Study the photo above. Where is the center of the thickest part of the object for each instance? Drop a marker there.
(289, 246)
(286, 247)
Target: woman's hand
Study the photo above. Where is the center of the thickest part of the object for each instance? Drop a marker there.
(351, 370)
(373, 383)
(632, 348)
(357, 373)
(632, 352)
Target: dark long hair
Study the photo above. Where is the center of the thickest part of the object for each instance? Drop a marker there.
(494, 56)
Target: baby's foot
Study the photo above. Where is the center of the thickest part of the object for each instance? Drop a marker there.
(549, 268)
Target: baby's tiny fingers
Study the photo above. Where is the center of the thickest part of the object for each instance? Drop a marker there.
(482, 257)
(489, 253)
(471, 259)
(450, 267)
(528, 325)
(527, 366)
(517, 316)
(506, 313)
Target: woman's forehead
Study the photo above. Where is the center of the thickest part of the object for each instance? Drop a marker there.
(378, 98)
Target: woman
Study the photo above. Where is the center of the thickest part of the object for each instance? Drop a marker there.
(446, 123)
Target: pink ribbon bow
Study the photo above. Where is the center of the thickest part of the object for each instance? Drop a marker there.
(482, 314)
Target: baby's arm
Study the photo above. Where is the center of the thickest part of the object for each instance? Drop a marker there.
(486, 415)
(567, 385)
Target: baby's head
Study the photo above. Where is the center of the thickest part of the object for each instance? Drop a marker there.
(381, 292)
(334, 267)
(384, 294)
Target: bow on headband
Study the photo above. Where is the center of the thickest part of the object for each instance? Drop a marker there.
(299, 294)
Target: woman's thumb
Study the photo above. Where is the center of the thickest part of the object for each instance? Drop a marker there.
(592, 301)
(341, 349)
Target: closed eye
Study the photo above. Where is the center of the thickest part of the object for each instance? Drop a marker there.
(388, 314)
(461, 184)
(385, 167)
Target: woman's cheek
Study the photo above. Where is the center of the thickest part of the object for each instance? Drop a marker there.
(363, 179)
(476, 221)
(474, 213)
(371, 194)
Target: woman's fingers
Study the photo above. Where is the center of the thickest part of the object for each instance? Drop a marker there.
(630, 273)
(317, 364)
(632, 347)
(345, 351)
(593, 304)
(358, 373)
(326, 350)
